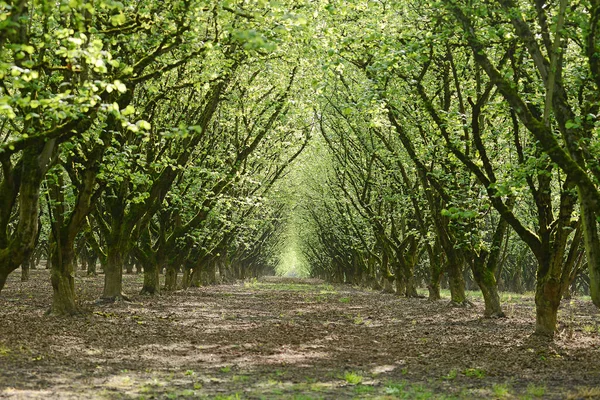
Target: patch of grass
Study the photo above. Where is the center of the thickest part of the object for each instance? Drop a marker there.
(225, 369)
(474, 373)
(4, 350)
(451, 375)
(317, 387)
(500, 390)
(235, 396)
(197, 386)
(589, 329)
(305, 397)
(344, 300)
(395, 389)
(189, 372)
(585, 393)
(420, 392)
(240, 378)
(353, 378)
(363, 389)
(536, 390)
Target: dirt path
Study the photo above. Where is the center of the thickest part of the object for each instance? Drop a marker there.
(287, 340)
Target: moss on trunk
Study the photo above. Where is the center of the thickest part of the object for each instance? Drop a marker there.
(113, 274)
(171, 279)
(547, 300)
(151, 280)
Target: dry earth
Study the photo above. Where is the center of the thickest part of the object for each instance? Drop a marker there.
(282, 338)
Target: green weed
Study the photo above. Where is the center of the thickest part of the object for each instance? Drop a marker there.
(235, 396)
(240, 378)
(4, 350)
(474, 373)
(500, 390)
(363, 389)
(352, 378)
(536, 390)
(451, 375)
(394, 389)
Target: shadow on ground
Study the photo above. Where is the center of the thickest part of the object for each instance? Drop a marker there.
(286, 339)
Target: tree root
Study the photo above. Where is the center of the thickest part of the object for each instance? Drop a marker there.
(116, 299)
(495, 315)
(464, 304)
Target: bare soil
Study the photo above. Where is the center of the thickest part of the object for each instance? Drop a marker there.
(279, 338)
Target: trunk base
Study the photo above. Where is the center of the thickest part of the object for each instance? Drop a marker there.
(114, 299)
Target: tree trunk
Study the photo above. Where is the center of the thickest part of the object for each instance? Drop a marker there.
(151, 279)
(84, 262)
(3, 276)
(486, 280)
(387, 285)
(63, 280)
(186, 278)
(212, 273)
(400, 281)
(196, 279)
(547, 300)
(436, 271)
(91, 266)
(592, 246)
(171, 279)
(25, 270)
(456, 281)
(113, 274)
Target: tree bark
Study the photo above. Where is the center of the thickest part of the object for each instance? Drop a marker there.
(3, 276)
(63, 282)
(186, 278)
(151, 279)
(91, 266)
(547, 300)
(25, 269)
(486, 280)
(113, 273)
(171, 279)
(456, 280)
(196, 279)
(592, 245)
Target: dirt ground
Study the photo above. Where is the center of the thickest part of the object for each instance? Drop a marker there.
(281, 338)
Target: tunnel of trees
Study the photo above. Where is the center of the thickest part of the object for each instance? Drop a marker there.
(395, 145)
